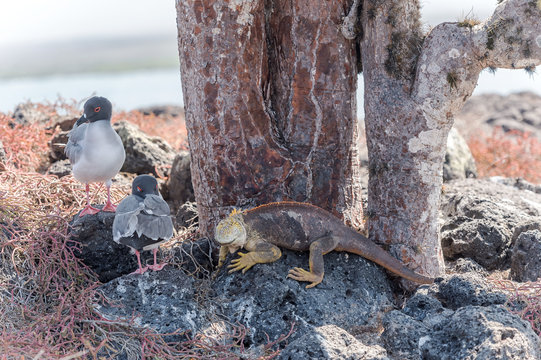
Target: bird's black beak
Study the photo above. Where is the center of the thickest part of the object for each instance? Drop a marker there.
(81, 120)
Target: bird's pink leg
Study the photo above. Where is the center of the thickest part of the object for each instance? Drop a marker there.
(109, 206)
(88, 209)
(141, 269)
(156, 267)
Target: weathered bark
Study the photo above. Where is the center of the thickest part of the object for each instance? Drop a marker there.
(269, 90)
(413, 89)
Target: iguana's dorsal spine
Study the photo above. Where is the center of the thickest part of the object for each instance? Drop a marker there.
(279, 203)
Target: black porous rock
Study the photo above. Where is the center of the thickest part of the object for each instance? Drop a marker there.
(179, 184)
(62, 126)
(444, 329)
(162, 300)
(163, 110)
(467, 289)
(29, 113)
(519, 111)
(480, 218)
(481, 333)
(420, 305)
(459, 162)
(97, 249)
(352, 294)
(60, 168)
(57, 146)
(402, 334)
(518, 183)
(329, 342)
(3, 158)
(466, 265)
(526, 256)
(195, 258)
(144, 154)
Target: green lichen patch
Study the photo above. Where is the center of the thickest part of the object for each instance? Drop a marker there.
(452, 80)
(402, 53)
(500, 28)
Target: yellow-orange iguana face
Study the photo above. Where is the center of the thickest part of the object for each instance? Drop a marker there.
(230, 231)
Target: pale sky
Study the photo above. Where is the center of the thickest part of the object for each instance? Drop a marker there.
(34, 21)
(30, 21)
(27, 22)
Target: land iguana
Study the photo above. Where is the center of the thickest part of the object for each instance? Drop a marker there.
(300, 227)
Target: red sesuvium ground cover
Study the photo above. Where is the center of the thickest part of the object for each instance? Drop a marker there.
(47, 295)
(509, 154)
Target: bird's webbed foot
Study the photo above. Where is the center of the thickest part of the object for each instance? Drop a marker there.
(89, 210)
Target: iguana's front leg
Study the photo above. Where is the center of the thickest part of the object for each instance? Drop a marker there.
(224, 250)
(262, 253)
(318, 248)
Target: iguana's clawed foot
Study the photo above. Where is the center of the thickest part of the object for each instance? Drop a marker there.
(244, 262)
(300, 274)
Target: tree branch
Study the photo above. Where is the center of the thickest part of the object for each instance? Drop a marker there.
(454, 54)
(511, 37)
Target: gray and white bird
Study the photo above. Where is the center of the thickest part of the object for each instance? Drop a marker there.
(142, 220)
(95, 150)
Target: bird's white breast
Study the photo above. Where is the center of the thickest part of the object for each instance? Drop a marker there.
(103, 154)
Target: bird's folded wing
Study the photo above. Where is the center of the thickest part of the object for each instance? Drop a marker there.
(126, 221)
(155, 227)
(75, 144)
(156, 205)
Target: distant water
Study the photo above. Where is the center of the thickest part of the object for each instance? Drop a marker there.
(130, 90)
(127, 90)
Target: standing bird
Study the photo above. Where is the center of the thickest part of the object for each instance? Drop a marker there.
(142, 220)
(95, 150)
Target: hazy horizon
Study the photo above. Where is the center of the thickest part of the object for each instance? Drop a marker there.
(127, 49)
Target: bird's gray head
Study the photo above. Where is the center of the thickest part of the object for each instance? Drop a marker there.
(96, 108)
(144, 185)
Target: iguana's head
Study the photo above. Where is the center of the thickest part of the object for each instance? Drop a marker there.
(231, 231)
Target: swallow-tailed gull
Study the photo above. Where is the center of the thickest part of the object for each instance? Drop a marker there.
(142, 220)
(95, 150)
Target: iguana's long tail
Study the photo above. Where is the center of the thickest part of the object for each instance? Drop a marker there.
(367, 249)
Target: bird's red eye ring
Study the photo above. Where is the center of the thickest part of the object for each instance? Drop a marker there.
(97, 109)
(139, 189)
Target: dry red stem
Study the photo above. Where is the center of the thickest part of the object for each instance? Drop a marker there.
(47, 296)
(524, 300)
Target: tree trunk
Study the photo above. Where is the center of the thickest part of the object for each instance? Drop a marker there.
(269, 90)
(414, 86)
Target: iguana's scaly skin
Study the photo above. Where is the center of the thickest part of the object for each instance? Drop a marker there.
(301, 227)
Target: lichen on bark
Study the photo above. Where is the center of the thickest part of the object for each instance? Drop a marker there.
(269, 89)
(408, 116)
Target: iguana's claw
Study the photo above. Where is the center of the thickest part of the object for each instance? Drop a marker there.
(300, 274)
(243, 262)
